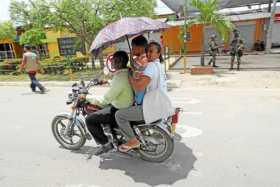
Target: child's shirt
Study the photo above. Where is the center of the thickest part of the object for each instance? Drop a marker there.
(140, 64)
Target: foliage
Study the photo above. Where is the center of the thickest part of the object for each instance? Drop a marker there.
(7, 30)
(30, 14)
(81, 17)
(208, 15)
(33, 37)
(114, 9)
(86, 75)
(84, 18)
(12, 61)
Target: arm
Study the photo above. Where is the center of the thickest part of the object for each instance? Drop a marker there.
(110, 96)
(23, 63)
(40, 68)
(141, 83)
(241, 46)
(37, 60)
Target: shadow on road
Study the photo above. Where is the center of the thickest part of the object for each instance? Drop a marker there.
(86, 150)
(174, 169)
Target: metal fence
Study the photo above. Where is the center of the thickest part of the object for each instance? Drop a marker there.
(6, 55)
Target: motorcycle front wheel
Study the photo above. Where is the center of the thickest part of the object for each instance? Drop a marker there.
(73, 140)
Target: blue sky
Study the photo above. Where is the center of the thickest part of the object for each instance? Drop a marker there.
(4, 9)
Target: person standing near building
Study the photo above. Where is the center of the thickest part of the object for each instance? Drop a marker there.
(31, 64)
(236, 50)
(213, 50)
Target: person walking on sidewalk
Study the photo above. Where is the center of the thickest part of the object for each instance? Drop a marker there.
(31, 64)
(213, 50)
(237, 47)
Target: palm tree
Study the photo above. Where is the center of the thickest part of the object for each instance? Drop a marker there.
(208, 15)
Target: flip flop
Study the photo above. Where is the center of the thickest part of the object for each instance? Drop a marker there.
(125, 148)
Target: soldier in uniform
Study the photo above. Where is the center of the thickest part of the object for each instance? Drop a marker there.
(237, 47)
(213, 50)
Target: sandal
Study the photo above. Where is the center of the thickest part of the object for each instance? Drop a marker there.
(128, 146)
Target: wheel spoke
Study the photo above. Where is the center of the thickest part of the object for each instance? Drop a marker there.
(75, 137)
(62, 124)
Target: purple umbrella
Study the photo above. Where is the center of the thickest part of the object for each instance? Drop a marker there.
(123, 29)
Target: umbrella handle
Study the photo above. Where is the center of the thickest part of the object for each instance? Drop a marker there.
(130, 50)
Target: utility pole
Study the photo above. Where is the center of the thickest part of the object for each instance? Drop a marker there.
(270, 26)
(185, 37)
(269, 5)
(267, 21)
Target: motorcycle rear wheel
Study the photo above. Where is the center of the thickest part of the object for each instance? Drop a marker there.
(67, 143)
(149, 155)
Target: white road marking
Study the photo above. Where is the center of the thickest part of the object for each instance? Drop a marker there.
(188, 131)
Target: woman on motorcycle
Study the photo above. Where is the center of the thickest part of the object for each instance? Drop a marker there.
(149, 82)
(119, 96)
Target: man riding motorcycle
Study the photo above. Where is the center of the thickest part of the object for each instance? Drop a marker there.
(119, 96)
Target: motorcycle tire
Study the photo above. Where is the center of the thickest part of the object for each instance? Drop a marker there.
(61, 140)
(168, 150)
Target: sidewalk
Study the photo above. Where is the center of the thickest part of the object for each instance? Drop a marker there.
(263, 62)
(224, 79)
(174, 82)
(45, 83)
(221, 79)
(257, 71)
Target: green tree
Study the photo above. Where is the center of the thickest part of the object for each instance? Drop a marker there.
(30, 14)
(208, 15)
(7, 30)
(81, 17)
(33, 37)
(114, 9)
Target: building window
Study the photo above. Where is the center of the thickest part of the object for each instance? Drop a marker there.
(6, 51)
(67, 46)
(43, 50)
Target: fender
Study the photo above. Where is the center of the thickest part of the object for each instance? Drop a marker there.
(162, 126)
(79, 121)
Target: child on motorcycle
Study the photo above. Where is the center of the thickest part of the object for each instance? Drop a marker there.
(139, 65)
(149, 82)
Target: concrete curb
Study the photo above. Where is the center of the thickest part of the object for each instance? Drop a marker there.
(170, 83)
(47, 83)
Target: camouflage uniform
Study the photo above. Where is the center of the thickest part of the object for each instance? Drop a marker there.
(236, 49)
(213, 50)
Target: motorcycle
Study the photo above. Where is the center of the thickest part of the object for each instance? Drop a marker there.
(70, 131)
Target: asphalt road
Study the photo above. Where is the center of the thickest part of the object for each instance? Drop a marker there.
(229, 137)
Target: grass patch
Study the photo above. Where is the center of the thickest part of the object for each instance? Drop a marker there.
(85, 75)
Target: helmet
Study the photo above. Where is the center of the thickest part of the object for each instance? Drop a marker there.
(213, 36)
(236, 33)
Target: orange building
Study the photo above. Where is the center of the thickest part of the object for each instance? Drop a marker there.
(251, 27)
